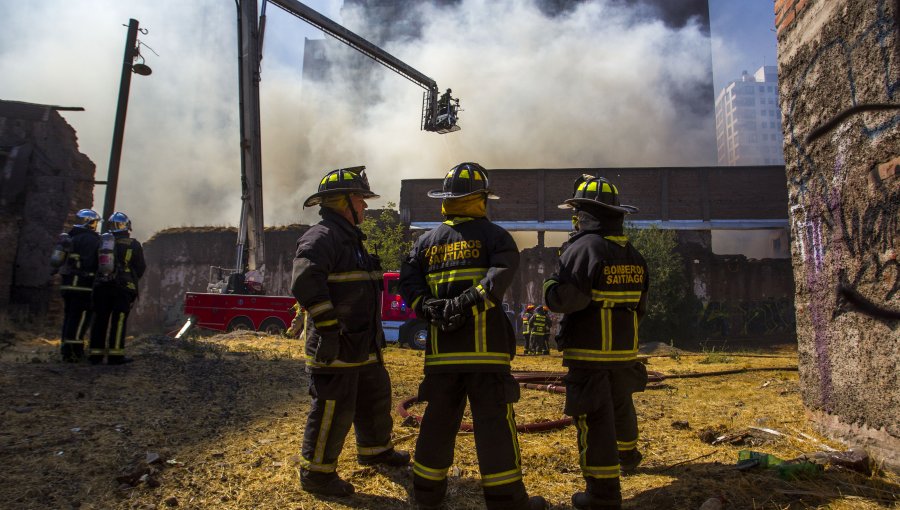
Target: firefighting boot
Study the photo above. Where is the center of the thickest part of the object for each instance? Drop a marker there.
(601, 494)
(390, 457)
(429, 495)
(536, 503)
(629, 460)
(325, 484)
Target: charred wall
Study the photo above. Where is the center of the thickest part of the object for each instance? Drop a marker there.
(44, 181)
(844, 197)
(179, 261)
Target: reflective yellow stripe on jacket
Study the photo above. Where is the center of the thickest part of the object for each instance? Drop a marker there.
(354, 276)
(467, 358)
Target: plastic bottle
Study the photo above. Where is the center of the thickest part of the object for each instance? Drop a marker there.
(794, 470)
(763, 460)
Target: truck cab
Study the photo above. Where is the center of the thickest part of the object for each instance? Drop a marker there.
(397, 318)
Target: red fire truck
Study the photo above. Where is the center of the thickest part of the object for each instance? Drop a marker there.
(272, 314)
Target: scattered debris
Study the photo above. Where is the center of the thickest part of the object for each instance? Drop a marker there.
(172, 501)
(855, 459)
(152, 458)
(681, 425)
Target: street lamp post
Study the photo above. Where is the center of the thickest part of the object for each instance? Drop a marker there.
(115, 154)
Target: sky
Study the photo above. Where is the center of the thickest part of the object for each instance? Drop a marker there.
(594, 94)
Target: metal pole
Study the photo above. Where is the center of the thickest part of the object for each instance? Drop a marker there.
(115, 153)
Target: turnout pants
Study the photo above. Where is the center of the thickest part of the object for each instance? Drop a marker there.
(111, 307)
(77, 314)
(361, 398)
(490, 396)
(624, 382)
(600, 403)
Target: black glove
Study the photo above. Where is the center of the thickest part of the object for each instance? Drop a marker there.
(459, 309)
(329, 346)
(433, 310)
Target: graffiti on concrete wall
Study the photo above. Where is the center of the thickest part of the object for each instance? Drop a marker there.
(723, 320)
(844, 215)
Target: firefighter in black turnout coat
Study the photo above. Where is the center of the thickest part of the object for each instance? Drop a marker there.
(75, 258)
(601, 287)
(119, 267)
(339, 284)
(455, 277)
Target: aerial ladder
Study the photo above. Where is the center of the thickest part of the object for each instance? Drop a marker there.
(439, 115)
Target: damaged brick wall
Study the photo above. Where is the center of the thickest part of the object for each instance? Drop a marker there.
(844, 196)
(178, 261)
(737, 299)
(44, 181)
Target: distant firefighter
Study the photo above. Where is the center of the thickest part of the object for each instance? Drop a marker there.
(120, 265)
(539, 331)
(75, 259)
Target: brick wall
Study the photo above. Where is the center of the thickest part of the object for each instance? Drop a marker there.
(45, 181)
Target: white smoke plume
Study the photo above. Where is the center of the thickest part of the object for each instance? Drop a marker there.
(599, 86)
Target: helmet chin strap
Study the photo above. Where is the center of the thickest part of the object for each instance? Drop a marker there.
(352, 209)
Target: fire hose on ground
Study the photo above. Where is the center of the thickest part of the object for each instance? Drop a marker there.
(553, 382)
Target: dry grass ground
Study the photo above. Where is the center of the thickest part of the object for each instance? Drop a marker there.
(225, 416)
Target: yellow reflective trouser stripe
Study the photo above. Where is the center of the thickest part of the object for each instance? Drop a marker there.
(601, 471)
(374, 450)
(354, 276)
(430, 473)
(416, 302)
(455, 275)
(74, 287)
(311, 362)
(594, 355)
(626, 445)
(319, 308)
(492, 480)
(324, 429)
(478, 358)
(119, 326)
(320, 468)
(581, 425)
(80, 331)
(511, 421)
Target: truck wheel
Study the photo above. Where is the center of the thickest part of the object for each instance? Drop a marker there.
(272, 326)
(240, 324)
(415, 334)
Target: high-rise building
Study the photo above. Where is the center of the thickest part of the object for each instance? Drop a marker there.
(748, 120)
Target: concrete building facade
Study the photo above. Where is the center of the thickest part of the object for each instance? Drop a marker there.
(839, 60)
(748, 120)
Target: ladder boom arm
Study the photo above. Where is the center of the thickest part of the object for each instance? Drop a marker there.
(356, 42)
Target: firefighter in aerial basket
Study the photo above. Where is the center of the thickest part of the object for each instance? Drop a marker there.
(600, 286)
(455, 277)
(120, 264)
(75, 258)
(338, 283)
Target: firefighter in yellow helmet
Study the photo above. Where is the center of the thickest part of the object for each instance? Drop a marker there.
(601, 286)
(455, 277)
(339, 284)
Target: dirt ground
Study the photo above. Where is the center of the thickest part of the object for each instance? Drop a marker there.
(216, 423)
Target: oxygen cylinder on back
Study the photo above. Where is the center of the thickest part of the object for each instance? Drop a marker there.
(61, 250)
(106, 263)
